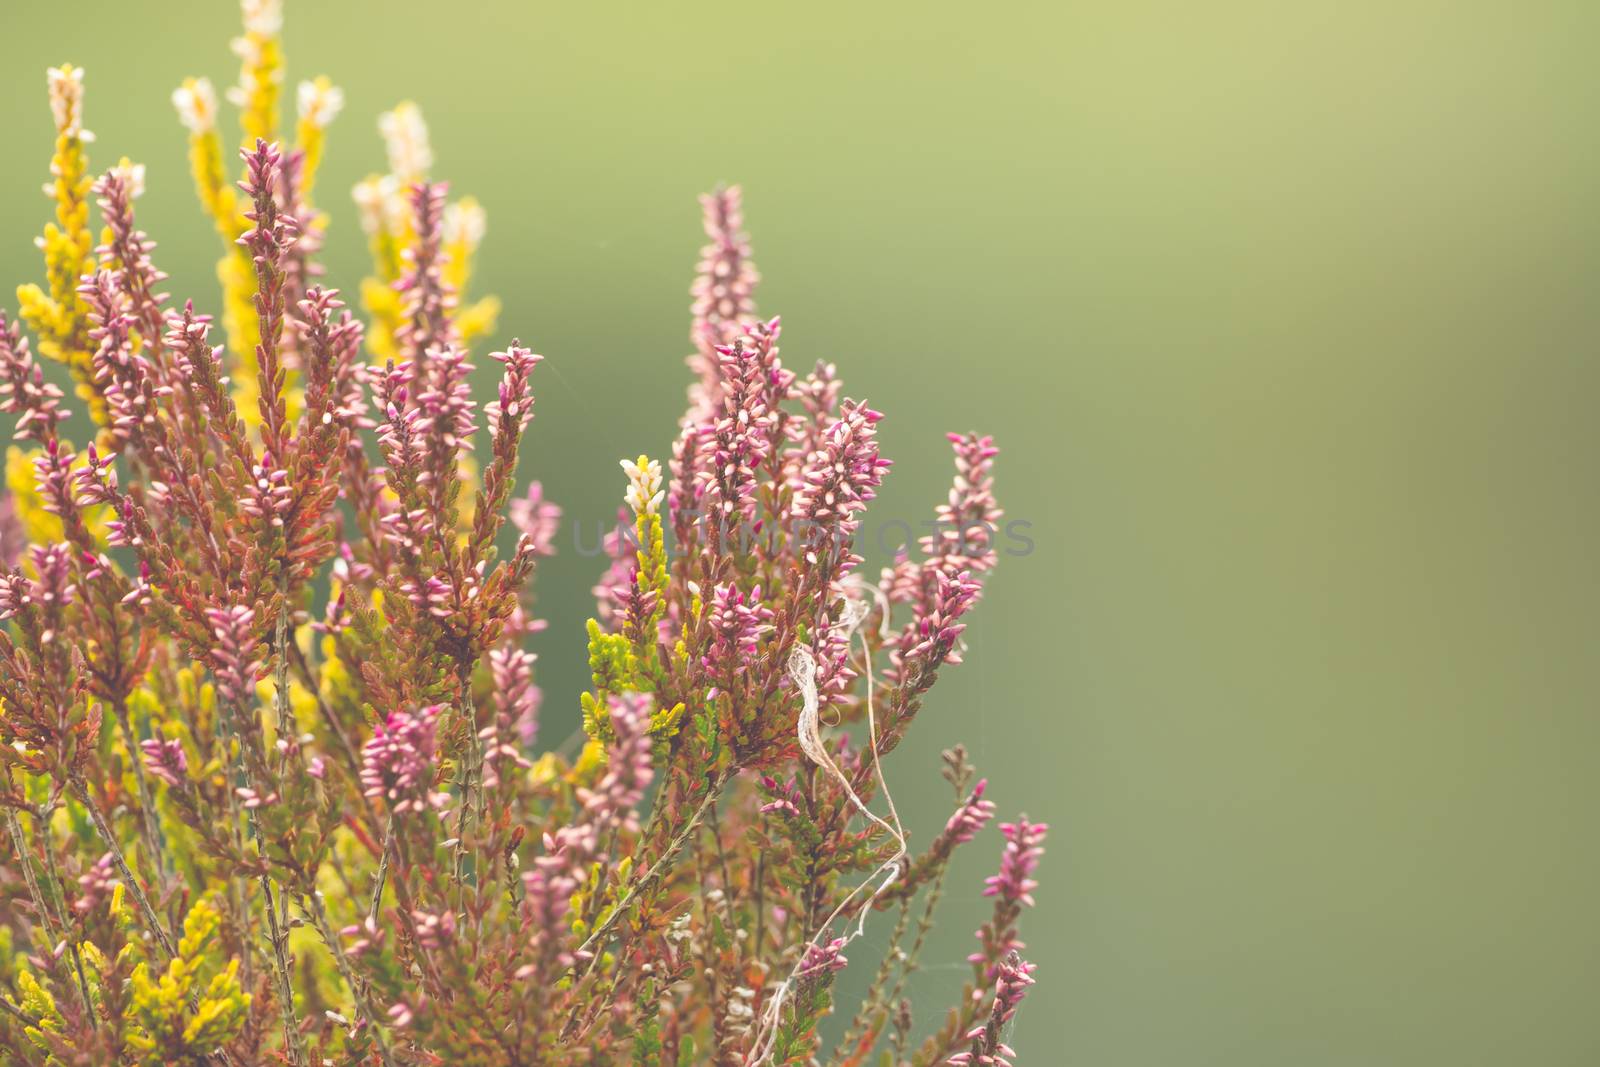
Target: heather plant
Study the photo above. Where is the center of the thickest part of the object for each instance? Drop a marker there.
(273, 790)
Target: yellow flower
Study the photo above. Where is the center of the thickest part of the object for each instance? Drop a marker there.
(319, 102)
(55, 312)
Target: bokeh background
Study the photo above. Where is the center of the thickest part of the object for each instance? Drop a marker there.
(1285, 317)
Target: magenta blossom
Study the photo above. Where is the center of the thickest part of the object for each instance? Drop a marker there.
(397, 764)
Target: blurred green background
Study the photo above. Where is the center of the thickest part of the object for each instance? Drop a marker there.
(1284, 315)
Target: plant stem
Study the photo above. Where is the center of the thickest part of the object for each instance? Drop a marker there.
(865, 1021)
(81, 790)
(383, 871)
(20, 844)
(280, 969)
(646, 880)
(924, 925)
(282, 707)
(319, 918)
(147, 801)
(58, 897)
(17, 1013)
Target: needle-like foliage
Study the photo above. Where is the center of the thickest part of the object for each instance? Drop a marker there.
(268, 710)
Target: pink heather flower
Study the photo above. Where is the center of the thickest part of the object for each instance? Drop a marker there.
(232, 652)
(270, 243)
(516, 718)
(16, 593)
(516, 698)
(139, 595)
(739, 437)
(23, 389)
(516, 399)
(270, 495)
(95, 885)
(823, 959)
(273, 232)
(935, 630)
(398, 431)
(347, 568)
(166, 760)
(964, 539)
(777, 382)
(94, 565)
(972, 816)
(1024, 846)
(53, 564)
(945, 584)
(843, 473)
(95, 484)
(122, 371)
(834, 672)
(737, 621)
(397, 763)
(556, 875)
(428, 300)
(636, 606)
(434, 931)
(723, 291)
(403, 1014)
(987, 1050)
(13, 539)
(347, 372)
(521, 623)
(251, 799)
(548, 890)
(434, 368)
(818, 394)
(686, 486)
(784, 797)
(1012, 985)
(612, 590)
(336, 616)
(446, 410)
(499, 750)
(367, 936)
(301, 266)
(129, 249)
(628, 767)
(187, 333)
(1012, 890)
(725, 280)
(537, 519)
(434, 595)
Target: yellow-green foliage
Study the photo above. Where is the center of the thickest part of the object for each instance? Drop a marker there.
(208, 164)
(260, 75)
(319, 102)
(615, 669)
(37, 1002)
(163, 1031)
(464, 227)
(55, 312)
(612, 667)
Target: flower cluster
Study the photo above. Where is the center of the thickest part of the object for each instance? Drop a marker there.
(268, 710)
